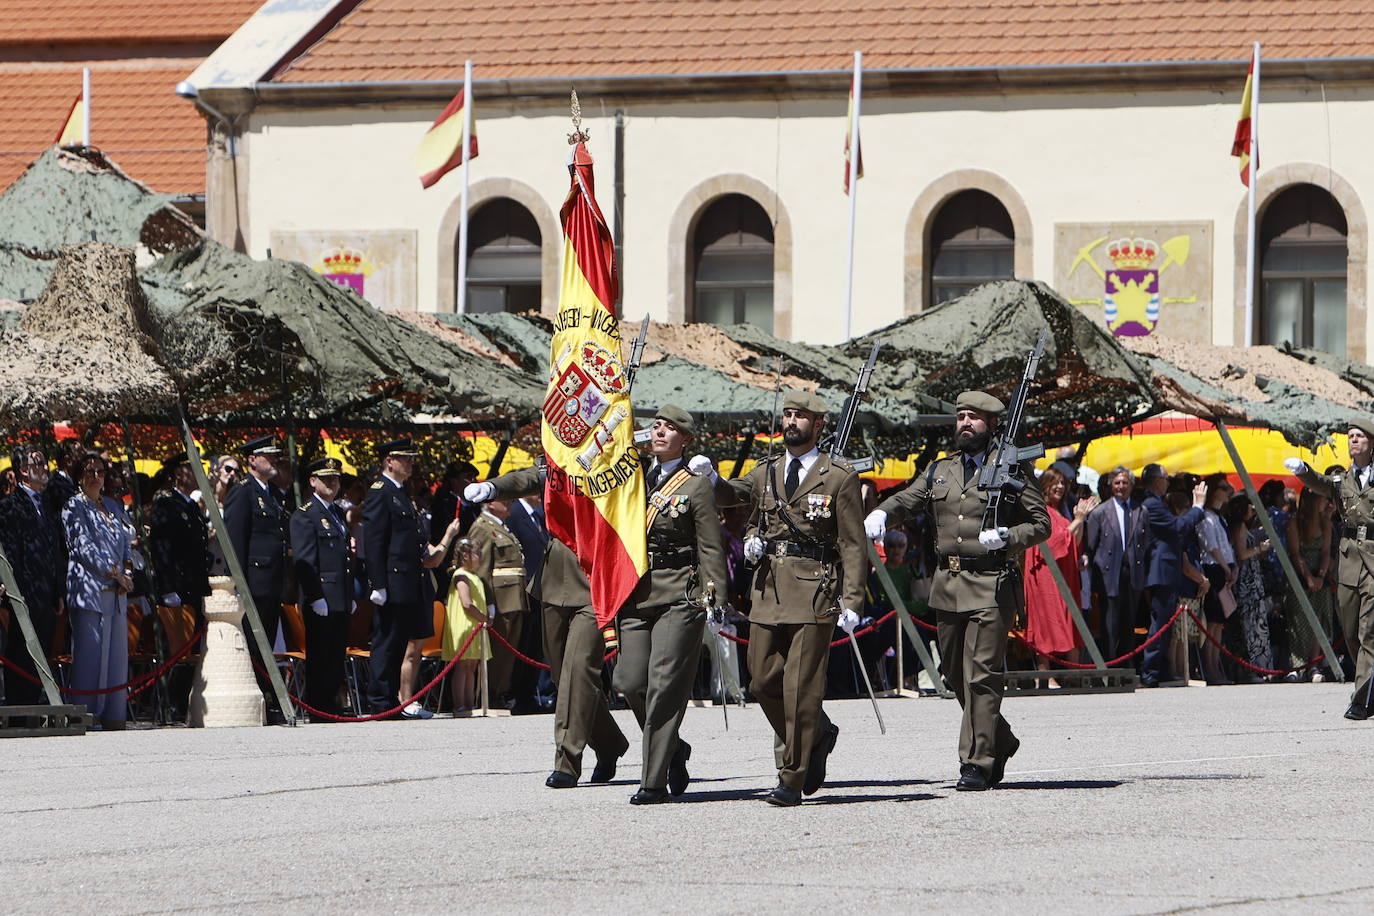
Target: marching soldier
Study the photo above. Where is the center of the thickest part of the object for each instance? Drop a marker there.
(573, 645)
(977, 589)
(807, 539)
(662, 625)
(256, 521)
(324, 573)
(502, 570)
(1353, 493)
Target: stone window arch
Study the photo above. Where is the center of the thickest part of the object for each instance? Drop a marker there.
(484, 192)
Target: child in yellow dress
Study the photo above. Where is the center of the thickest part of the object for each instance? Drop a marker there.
(467, 610)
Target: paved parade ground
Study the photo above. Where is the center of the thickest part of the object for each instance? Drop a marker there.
(1234, 800)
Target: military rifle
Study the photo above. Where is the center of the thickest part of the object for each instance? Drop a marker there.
(1001, 474)
(840, 437)
(632, 369)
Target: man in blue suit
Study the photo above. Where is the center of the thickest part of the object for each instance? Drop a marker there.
(1164, 564)
(1114, 545)
(36, 546)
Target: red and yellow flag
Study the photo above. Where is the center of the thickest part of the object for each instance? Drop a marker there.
(594, 494)
(73, 132)
(848, 133)
(441, 149)
(1241, 145)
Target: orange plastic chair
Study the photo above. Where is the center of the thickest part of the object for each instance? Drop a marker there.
(293, 633)
(432, 659)
(359, 653)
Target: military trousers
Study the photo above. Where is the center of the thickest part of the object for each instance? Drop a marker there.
(576, 654)
(502, 665)
(787, 664)
(973, 648)
(326, 655)
(660, 652)
(1355, 607)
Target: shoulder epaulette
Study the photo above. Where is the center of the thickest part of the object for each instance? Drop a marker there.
(376, 485)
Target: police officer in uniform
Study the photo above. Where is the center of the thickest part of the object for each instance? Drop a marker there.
(662, 625)
(502, 570)
(573, 645)
(324, 567)
(178, 539)
(807, 541)
(977, 589)
(1353, 493)
(256, 521)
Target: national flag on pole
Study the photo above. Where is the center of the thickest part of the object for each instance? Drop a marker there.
(594, 493)
(441, 149)
(1241, 145)
(73, 130)
(848, 133)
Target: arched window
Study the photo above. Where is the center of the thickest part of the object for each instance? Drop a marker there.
(970, 244)
(1303, 270)
(733, 264)
(503, 258)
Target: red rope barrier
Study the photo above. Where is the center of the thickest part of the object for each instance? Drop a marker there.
(542, 666)
(839, 642)
(135, 686)
(1110, 663)
(1245, 664)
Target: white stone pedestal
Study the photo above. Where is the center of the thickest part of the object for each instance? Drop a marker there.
(225, 692)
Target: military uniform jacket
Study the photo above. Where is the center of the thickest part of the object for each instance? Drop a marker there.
(684, 543)
(956, 508)
(178, 540)
(502, 569)
(323, 557)
(257, 521)
(561, 580)
(392, 543)
(36, 546)
(1356, 505)
(827, 512)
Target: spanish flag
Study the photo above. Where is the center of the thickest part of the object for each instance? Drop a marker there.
(73, 132)
(1241, 145)
(849, 132)
(594, 494)
(441, 149)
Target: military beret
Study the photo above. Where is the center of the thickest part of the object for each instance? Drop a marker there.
(263, 445)
(678, 417)
(980, 401)
(805, 400)
(1364, 424)
(397, 448)
(325, 467)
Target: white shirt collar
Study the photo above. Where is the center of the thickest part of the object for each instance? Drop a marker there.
(667, 467)
(487, 513)
(393, 480)
(33, 494)
(807, 460)
(530, 507)
(329, 506)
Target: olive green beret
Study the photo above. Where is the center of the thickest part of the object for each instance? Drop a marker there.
(678, 417)
(980, 401)
(804, 400)
(1363, 424)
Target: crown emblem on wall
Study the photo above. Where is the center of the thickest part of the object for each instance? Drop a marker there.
(1132, 254)
(343, 261)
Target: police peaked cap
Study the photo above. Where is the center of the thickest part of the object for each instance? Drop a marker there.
(397, 448)
(325, 467)
(264, 445)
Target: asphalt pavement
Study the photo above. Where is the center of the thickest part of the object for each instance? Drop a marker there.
(1235, 800)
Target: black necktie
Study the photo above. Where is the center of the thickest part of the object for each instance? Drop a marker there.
(335, 511)
(969, 469)
(652, 482)
(793, 477)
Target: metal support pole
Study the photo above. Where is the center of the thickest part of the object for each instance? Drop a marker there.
(1078, 620)
(742, 455)
(494, 468)
(899, 603)
(1285, 561)
(231, 560)
(482, 664)
(20, 607)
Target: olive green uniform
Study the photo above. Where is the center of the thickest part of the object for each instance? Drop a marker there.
(502, 571)
(976, 594)
(812, 568)
(662, 625)
(572, 643)
(1355, 571)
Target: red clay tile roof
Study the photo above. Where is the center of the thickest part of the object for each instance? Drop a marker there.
(116, 21)
(402, 40)
(136, 119)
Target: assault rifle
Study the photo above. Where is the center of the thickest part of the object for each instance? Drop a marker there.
(840, 437)
(632, 369)
(1001, 473)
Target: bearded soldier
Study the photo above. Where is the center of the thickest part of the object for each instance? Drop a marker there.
(977, 589)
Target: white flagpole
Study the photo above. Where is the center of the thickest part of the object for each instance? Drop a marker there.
(463, 204)
(85, 106)
(1252, 241)
(853, 191)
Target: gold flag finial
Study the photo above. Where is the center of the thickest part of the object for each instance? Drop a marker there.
(578, 135)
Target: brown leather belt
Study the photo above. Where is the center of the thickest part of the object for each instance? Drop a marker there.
(811, 551)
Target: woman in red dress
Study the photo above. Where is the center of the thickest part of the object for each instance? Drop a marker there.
(1049, 628)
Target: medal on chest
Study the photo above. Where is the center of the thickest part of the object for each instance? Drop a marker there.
(818, 506)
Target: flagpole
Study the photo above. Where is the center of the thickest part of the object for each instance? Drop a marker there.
(463, 204)
(85, 106)
(853, 191)
(1251, 240)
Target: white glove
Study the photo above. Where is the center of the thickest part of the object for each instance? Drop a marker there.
(479, 492)
(1294, 465)
(701, 465)
(320, 606)
(875, 526)
(993, 539)
(491, 612)
(848, 620)
(753, 549)
(378, 596)
(171, 599)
